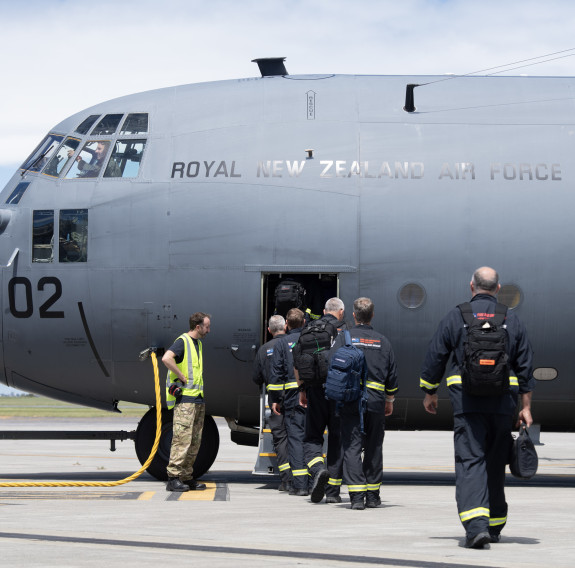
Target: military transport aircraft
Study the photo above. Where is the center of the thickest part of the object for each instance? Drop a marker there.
(136, 212)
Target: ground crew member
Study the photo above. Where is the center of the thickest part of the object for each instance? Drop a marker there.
(261, 376)
(185, 394)
(284, 399)
(364, 478)
(321, 413)
(482, 424)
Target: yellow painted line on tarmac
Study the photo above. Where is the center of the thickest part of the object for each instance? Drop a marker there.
(207, 494)
(146, 495)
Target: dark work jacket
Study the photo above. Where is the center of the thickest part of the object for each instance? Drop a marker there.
(283, 386)
(262, 364)
(380, 360)
(449, 341)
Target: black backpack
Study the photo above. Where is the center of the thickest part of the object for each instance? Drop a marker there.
(288, 294)
(311, 355)
(485, 365)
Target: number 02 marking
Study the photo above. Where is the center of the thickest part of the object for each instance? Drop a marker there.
(27, 309)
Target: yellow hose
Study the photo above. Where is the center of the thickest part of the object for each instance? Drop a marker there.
(121, 481)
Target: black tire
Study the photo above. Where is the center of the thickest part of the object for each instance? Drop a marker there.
(146, 434)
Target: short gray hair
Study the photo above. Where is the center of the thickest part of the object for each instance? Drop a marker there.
(334, 305)
(363, 309)
(276, 323)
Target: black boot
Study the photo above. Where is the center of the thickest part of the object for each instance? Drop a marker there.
(357, 501)
(174, 484)
(319, 485)
(194, 485)
(372, 500)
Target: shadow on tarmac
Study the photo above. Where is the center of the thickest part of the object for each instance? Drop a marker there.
(505, 539)
(271, 482)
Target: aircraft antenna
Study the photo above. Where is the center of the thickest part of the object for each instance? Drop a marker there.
(409, 98)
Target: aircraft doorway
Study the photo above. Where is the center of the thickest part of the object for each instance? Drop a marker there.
(317, 288)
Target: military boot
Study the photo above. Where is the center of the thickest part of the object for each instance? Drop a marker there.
(174, 484)
(194, 485)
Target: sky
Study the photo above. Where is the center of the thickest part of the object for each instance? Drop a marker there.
(62, 56)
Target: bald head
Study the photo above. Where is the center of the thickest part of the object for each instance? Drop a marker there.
(485, 280)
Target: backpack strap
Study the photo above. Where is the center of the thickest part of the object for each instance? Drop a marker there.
(500, 314)
(347, 337)
(467, 313)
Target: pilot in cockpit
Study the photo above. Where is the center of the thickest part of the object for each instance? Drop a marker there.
(93, 167)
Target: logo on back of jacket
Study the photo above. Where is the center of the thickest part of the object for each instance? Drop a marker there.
(371, 343)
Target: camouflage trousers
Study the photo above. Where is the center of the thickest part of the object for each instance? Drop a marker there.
(186, 439)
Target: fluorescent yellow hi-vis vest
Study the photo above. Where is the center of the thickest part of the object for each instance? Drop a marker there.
(192, 367)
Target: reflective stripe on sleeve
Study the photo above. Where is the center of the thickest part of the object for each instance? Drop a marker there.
(513, 382)
(426, 385)
(380, 387)
(453, 380)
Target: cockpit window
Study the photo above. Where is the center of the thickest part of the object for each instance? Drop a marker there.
(135, 123)
(42, 154)
(18, 192)
(125, 159)
(62, 157)
(87, 124)
(90, 160)
(73, 235)
(107, 125)
(43, 236)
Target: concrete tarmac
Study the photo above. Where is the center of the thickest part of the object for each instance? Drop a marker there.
(242, 520)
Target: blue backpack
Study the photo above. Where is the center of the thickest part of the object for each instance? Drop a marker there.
(347, 374)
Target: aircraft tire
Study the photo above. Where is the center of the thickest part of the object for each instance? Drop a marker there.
(146, 435)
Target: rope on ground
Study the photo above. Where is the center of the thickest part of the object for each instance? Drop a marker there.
(121, 481)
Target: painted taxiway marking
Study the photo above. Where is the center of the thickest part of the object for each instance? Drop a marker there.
(212, 492)
(79, 495)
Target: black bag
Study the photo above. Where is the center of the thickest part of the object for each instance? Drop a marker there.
(523, 460)
(485, 365)
(312, 349)
(288, 294)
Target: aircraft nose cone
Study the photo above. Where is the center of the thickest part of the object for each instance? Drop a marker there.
(5, 216)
